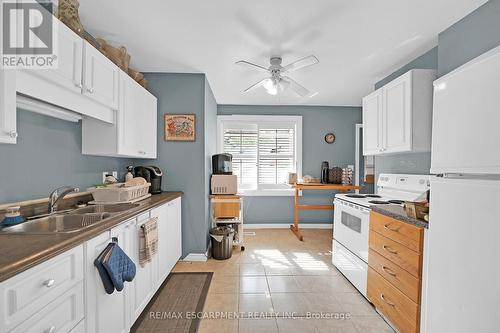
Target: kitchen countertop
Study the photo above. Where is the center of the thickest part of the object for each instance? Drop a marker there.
(23, 251)
(399, 213)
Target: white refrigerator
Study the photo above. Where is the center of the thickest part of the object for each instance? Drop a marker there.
(461, 287)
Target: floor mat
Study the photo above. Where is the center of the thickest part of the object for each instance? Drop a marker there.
(174, 307)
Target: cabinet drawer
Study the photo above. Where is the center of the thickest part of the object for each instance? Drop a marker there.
(398, 277)
(30, 291)
(397, 253)
(398, 308)
(403, 233)
(60, 316)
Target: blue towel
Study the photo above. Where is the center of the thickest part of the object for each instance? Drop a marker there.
(120, 267)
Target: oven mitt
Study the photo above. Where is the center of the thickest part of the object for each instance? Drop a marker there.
(120, 267)
(98, 263)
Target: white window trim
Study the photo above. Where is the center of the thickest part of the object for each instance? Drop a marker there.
(285, 192)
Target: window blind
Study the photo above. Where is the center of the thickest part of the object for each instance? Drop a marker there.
(276, 155)
(242, 144)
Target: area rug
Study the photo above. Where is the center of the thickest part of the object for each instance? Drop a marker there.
(175, 305)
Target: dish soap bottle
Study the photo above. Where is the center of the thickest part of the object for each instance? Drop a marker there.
(129, 176)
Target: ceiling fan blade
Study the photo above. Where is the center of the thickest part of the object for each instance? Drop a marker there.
(257, 85)
(295, 86)
(252, 65)
(301, 63)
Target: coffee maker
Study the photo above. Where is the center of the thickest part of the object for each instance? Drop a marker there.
(152, 174)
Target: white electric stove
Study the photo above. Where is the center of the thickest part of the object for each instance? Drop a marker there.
(351, 223)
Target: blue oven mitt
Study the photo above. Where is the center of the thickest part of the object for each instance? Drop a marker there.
(120, 267)
(98, 263)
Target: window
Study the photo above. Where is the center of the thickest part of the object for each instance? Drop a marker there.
(264, 148)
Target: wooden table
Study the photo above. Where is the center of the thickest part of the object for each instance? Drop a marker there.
(314, 186)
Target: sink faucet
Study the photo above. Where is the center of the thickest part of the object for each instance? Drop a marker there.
(58, 194)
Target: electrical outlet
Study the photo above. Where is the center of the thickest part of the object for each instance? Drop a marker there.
(115, 174)
(104, 173)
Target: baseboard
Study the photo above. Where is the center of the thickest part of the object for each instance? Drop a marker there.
(196, 257)
(287, 226)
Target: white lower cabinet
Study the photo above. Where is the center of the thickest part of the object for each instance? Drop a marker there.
(65, 294)
(107, 313)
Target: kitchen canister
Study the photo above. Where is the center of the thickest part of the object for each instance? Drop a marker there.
(335, 175)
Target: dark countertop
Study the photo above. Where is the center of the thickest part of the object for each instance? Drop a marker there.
(23, 251)
(399, 213)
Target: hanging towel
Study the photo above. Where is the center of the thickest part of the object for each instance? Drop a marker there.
(120, 267)
(148, 241)
(98, 263)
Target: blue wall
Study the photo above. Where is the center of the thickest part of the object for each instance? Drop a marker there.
(470, 37)
(317, 121)
(415, 163)
(48, 154)
(185, 163)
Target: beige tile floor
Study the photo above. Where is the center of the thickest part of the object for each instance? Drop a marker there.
(278, 283)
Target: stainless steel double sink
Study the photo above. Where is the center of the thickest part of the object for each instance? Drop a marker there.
(70, 221)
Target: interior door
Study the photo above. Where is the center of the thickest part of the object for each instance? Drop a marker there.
(101, 78)
(372, 116)
(396, 115)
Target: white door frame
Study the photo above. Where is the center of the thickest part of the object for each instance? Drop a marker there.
(356, 157)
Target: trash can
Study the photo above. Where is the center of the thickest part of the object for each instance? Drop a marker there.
(222, 242)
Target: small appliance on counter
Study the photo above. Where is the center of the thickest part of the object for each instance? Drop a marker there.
(224, 184)
(222, 164)
(153, 175)
(325, 169)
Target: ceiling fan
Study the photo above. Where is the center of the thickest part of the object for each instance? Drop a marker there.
(278, 80)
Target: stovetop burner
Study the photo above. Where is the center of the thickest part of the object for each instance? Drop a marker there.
(379, 202)
(358, 196)
(396, 202)
(373, 196)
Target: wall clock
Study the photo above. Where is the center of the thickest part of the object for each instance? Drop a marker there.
(330, 138)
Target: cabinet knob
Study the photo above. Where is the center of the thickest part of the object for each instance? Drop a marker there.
(78, 85)
(49, 283)
(51, 329)
(12, 134)
(90, 90)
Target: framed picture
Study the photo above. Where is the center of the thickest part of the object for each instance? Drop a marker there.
(180, 127)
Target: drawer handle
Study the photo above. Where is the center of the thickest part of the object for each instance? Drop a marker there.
(49, 283)
(386, 226)
(387, 302)
(389, 271)
(52, 329)
(389, 250)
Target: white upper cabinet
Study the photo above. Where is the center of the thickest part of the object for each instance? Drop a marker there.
(397, 118)
(372, 116)
(134, 132)
(101, 78)
(8, 130)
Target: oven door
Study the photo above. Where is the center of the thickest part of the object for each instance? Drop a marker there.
(351, 227)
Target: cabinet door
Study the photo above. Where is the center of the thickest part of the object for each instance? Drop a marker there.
(397, 122)
(67, 74)
(164, 241)
(129, 122)
(372, 116)
(101, 78)
(107, 313)
(175, 210)
(145, 277)
(8, 131)
(149, 125)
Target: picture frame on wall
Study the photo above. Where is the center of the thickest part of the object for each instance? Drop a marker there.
(180, 127)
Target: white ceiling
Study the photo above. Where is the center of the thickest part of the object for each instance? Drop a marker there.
(357, 42)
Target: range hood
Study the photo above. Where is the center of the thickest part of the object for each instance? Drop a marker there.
(35, 105)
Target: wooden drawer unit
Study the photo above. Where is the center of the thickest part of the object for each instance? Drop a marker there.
(400, 232)
(401, 311)
(31, 291)
(398, 277)
(399, 254)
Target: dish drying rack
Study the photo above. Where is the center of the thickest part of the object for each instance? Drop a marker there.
(118, 193)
